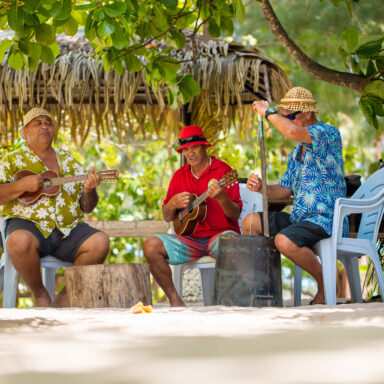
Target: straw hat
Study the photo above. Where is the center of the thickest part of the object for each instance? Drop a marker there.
(33, 113)
(298, 99)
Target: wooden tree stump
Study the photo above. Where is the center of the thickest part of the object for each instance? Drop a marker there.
(111, 285)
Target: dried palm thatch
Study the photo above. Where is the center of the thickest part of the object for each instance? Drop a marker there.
(83, 97)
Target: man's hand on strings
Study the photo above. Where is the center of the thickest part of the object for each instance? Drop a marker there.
(92, 182)
(215, 190)
(260, 106)
(180, 200)
(32, 183)
(254, 183)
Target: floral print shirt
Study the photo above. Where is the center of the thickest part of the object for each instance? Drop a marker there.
(61, 211)
(318, 181)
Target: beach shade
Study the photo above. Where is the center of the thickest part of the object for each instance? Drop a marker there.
(85, 99)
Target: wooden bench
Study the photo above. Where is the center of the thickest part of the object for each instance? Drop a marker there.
(134, 229)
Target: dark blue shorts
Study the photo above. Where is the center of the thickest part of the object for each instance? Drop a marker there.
(63, 248)
(304, 234)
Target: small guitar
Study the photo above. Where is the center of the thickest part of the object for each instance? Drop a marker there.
(186, 219)
(52, 181)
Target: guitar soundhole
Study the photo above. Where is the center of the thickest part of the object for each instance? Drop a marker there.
(190, 208)
(47, 183)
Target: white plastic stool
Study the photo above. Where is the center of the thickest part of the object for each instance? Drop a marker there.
(206, 266)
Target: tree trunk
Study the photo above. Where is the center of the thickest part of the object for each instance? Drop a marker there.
(111, 285)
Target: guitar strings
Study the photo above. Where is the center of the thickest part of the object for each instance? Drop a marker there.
(196, 202)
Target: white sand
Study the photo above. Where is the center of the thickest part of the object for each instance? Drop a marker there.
(319, 344)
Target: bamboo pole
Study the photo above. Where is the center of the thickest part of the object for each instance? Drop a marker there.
(263, 176)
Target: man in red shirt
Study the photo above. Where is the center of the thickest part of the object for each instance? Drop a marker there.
(223, 209)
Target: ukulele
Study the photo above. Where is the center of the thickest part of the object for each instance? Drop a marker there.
(52, 181)
(187, 218)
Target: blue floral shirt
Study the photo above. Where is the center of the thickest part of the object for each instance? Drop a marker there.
(318, 181)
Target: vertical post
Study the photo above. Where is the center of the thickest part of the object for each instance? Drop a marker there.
(264, 177)
(185, 118)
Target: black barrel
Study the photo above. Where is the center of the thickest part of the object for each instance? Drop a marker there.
(248, 272)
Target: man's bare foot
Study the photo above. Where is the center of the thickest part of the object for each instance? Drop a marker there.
(60, 300)
(177, 302)
(43, 300)
(318, 299)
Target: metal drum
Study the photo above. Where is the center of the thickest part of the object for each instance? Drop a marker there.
(248, 272)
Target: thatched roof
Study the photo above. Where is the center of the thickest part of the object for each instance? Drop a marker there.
(83, 97)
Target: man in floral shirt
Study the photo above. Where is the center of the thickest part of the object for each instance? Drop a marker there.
(51, 225)
(315, 176)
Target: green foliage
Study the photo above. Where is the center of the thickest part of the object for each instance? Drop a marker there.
(125, 33)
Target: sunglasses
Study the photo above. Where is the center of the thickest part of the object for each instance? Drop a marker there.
(292, 116)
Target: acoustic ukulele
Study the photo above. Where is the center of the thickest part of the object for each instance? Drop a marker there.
(52, 181)
(187, 218)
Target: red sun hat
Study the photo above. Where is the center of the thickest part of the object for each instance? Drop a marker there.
(191, 135)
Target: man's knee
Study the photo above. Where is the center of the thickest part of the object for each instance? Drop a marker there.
(283, 243)
(98, 245)
(21, 242)
(152, 247)
(251, 224)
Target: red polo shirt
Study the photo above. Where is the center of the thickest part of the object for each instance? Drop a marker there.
(215, 221)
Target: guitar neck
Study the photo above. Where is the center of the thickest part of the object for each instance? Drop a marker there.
(68, 179)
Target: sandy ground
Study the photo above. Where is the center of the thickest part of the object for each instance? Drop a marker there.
(318, 344)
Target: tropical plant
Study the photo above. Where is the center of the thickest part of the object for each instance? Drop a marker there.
(125, 34)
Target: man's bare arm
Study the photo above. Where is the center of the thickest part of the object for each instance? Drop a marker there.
(13, 190)
(178, 201)
(89, 200)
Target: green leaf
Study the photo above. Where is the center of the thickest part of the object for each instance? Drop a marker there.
(62, 10)
(177, 39)
(105, 28)
(160, 18)
(55, 49)
(16, 18)
(16, 60)
(227, 26)
(186, 21)
(168, 68)
(188, 88)
(115, 9)
(371, 68)
(133, 63)
(170, 3)
(213, 28)
(367, 110)
(70, 27)
(376, 104)
(47, 55)
(86, 7)
(137, 49)
(31, 20)
(4, 45)
(239, 10)
(24, 46)
(370, 48)
(34, 57)
(31, 5)
(351, 37)
(375, 88)
(45, 34)
(119, 39)
(89, 30)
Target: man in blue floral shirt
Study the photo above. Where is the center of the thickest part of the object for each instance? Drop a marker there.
(314, 175)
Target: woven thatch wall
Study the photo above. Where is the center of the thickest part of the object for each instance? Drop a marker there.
(83, 97)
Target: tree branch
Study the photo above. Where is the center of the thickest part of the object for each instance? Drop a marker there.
(344, 79)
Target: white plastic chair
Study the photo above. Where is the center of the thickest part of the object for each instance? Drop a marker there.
(10, 277)
(368, 200)
(252, 201)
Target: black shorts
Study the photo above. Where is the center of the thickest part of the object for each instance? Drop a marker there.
(64, 249)
(304, 234)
